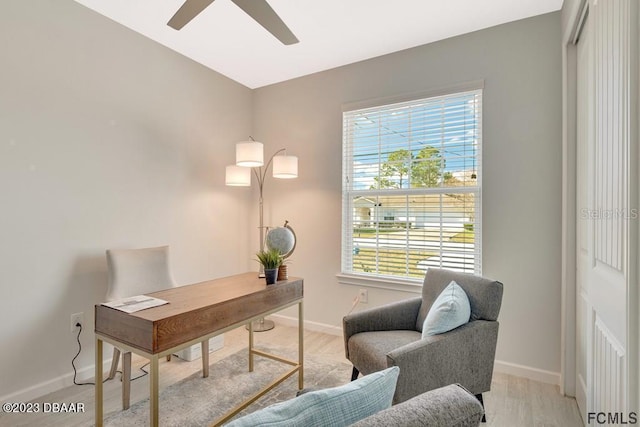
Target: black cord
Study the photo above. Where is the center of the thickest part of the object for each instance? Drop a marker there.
(73, 364)
(75, 372)
(142, 369)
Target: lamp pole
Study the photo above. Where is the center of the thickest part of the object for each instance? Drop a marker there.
(261, 174)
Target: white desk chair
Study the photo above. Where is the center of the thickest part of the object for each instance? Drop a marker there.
(136, 272)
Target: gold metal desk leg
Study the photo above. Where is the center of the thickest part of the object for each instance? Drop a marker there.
(250, 346)
(98, 380)
(153, 391)
(301, 346)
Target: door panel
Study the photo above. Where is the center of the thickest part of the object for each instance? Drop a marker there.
(607, 274)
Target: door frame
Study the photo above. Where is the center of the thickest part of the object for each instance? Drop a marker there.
(569, 214)
(633, 289)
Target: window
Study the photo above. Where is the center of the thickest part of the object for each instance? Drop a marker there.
(411, 187)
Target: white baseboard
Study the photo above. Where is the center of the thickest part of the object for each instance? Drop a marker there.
(528, 372)
(83, 375)
(311, 326)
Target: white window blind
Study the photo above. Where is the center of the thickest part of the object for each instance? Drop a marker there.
(411, 187)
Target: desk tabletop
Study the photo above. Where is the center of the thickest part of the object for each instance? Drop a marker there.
(196, 310)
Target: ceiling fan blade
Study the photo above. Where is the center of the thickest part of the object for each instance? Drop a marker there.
(264, 15)
(189, 10)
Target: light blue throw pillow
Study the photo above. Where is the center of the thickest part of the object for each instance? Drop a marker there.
(338, 406)
(450, 310)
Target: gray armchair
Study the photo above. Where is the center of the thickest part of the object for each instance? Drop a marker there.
(391, 336)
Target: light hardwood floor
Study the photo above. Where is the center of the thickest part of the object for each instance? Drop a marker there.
(512, 401)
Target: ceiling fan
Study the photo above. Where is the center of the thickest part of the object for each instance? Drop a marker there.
(259, 10)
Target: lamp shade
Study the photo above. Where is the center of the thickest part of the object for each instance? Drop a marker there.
(237, 176)
(249, 154)
(285, 167)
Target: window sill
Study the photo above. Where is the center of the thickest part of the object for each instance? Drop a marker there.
(391, 283)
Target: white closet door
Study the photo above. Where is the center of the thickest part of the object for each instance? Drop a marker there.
(603, 275)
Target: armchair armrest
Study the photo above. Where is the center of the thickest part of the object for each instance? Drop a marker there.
(399, 315)
(451, 406)
(464, 355)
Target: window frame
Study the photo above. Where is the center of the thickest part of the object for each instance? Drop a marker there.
(406, 284)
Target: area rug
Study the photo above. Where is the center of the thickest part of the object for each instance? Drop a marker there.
(197, 401)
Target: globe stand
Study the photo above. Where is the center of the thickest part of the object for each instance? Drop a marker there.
(262, 325)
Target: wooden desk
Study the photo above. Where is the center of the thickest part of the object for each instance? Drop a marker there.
(194, 314)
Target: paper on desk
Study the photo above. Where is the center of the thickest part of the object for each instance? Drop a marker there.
(136, 303)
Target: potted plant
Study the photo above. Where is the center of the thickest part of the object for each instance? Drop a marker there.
(270, 260)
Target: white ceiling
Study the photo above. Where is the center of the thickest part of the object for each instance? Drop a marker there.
(331, 32)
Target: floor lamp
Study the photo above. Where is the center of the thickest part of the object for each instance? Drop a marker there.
(250, 157)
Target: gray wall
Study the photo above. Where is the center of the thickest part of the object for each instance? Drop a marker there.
(107, 139)
(520, 63)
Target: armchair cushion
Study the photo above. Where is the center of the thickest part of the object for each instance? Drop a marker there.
(399, 315)
(368, 350)
(338, 406)
(450, 310)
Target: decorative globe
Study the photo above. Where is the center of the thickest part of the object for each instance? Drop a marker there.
(281, 238)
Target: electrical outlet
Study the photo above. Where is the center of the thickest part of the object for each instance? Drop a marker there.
(364, 296)
(75, 319)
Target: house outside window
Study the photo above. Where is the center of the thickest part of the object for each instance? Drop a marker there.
(412, 187)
